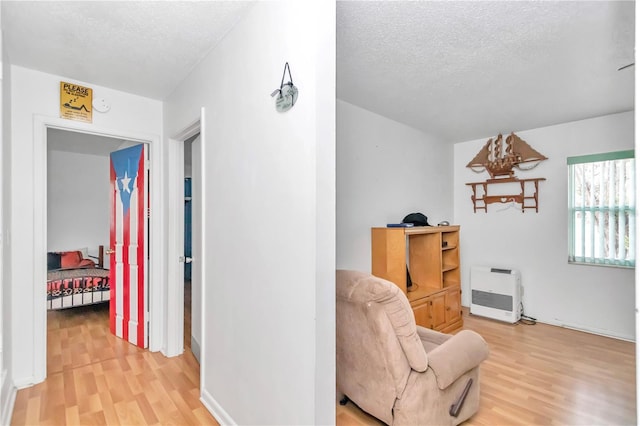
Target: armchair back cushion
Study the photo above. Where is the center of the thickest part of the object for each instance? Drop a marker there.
(373, 319)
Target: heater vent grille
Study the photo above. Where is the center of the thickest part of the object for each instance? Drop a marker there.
(491, 300)
(495, 293)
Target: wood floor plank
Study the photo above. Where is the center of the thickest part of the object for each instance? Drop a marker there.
(203, 417)
(93, 418)
(72, 416)
(33, 411)
(108, 408)
(146, 410)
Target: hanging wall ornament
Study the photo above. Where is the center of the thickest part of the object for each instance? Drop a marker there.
(287, 93)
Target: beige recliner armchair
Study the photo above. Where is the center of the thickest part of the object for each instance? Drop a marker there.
(394, 370)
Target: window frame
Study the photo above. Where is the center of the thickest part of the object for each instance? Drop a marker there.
(572, 209)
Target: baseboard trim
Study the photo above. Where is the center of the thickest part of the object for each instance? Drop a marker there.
(8, 393)
(216, 409)
(195, 348)
(577, 327)
(25, 383)
(598, 332)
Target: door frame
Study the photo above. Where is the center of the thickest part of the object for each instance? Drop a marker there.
(155, 279)
(175, 239)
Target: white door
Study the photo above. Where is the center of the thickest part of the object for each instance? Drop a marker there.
(196, 246)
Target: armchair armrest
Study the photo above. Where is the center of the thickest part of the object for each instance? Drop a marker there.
(432, 337)
(459, 354)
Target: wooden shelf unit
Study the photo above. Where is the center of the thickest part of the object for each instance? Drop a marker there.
(481, 199)
(432, 255)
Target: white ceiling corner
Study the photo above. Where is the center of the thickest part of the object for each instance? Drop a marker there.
(140, 47)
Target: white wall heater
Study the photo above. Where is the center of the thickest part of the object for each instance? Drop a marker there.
(495, 293)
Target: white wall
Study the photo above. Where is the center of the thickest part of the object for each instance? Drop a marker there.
(7, 389)
(268, 176)
(325, 212)
(636, 115)
(36, 94)
(77, 201)
(385, 170)
(596, 299)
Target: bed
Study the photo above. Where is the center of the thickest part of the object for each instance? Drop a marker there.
(75, 279)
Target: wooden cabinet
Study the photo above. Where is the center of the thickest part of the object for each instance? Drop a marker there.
(432, 257)
(437, 307)
(422, 312)
(453, 309)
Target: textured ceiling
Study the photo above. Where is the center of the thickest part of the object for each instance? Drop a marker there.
(457, 70)
(140, 47)
(467, 70)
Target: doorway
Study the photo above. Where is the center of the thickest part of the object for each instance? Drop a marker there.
(191, 136)
(78, 226)
(192, 244)
(42, 125)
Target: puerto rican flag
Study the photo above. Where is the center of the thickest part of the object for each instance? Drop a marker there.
(128, 301)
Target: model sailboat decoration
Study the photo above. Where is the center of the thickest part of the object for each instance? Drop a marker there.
(499, 158)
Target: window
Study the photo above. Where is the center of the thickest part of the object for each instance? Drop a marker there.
(602, 207)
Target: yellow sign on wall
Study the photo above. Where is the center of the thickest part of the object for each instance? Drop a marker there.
(75, 102)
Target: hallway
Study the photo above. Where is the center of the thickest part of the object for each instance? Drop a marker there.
(95, 378)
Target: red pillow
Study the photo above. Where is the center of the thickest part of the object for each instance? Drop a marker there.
(87, 263)
(70, 259)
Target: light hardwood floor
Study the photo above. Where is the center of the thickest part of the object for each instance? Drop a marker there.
(535, 375)
(94, 378)
(545, 375)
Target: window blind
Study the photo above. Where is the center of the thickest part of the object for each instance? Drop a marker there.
(602, 209)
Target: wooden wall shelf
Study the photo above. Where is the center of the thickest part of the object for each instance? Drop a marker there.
(527, 198)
